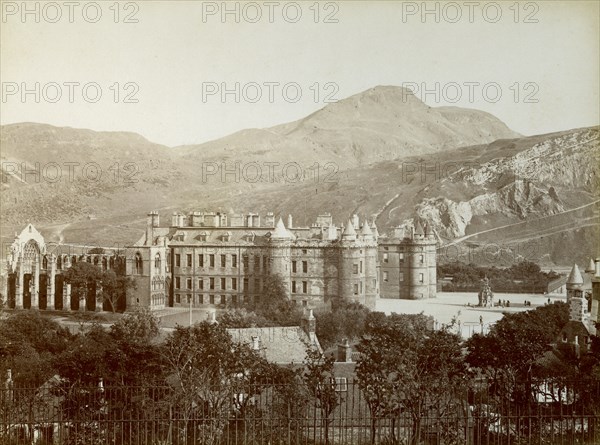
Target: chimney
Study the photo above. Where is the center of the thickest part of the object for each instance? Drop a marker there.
(597, 267)
(344, 352)
(309, 325)
(290, 221)
(152, 223)
(355, 221)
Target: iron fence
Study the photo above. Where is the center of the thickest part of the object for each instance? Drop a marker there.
(540, 412)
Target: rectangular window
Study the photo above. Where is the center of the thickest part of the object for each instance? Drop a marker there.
(355, 268)
(188, 283)
(223, 299)
(177, 260)
(386, 257)
(178, 298)
(223, 260)
(304, 251)
(421, 259)
(201, 299)
(256, 262)
(177, 283)
(189, 298)
(293, 287)
(401, 276)
(401, 256)
(245, 260)
(421, 278)
(360, 287)
(385, 276)
(265, 264)
(200, 260)
(188, 260)
(212, 283)
(256, 285)
(223, 285)
(200, 283)
(233, 260)
(294, 266)
(361, 267)
(355, 288)
(212, 299)
(341, 384)
(211, 260)
(304, 266)
(305, 287)
(234, 283)
(245, 284)
(234, 299)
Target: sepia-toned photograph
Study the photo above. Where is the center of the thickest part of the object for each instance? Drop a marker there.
(300, 222)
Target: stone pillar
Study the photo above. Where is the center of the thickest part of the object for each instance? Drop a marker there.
(19, 288)
(51, 277)
(35, 294)
(67, 297)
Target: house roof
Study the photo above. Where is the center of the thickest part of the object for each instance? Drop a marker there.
(280, 231)
(349, 229)
(281, 345)
(419, 229)
(575, 276)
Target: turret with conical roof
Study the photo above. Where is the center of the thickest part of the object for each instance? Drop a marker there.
(374, 230)
(419, 232)
(349, 232)
(591, 267)
(575, 276)
(280, 231)
(366, 232)
(574, 283)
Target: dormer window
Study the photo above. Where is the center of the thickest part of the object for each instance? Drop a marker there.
(202, 236)
(249, 236)
(226, 236)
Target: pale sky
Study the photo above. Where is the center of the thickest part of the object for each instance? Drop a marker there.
(542, 57)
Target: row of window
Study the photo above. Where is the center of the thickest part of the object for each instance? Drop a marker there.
(211, 283)
(401, 277)
(211, 299)
(386, 257)
(225, 260)
(196, 299)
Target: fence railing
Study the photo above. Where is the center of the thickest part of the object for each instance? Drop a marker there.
(540, 412)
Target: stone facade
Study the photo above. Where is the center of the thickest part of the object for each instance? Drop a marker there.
(210, 259)
(408, 263)
(35, 273)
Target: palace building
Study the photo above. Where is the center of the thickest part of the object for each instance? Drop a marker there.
(214, 259)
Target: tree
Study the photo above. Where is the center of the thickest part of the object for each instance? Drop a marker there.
(406, 367)
(210, 375)
(82, 276)
(28, 343)
(242, 318)
(516, 341)
(274, 305)
(320, 381)
(507, 356)
(345, 320)
(114, 289)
